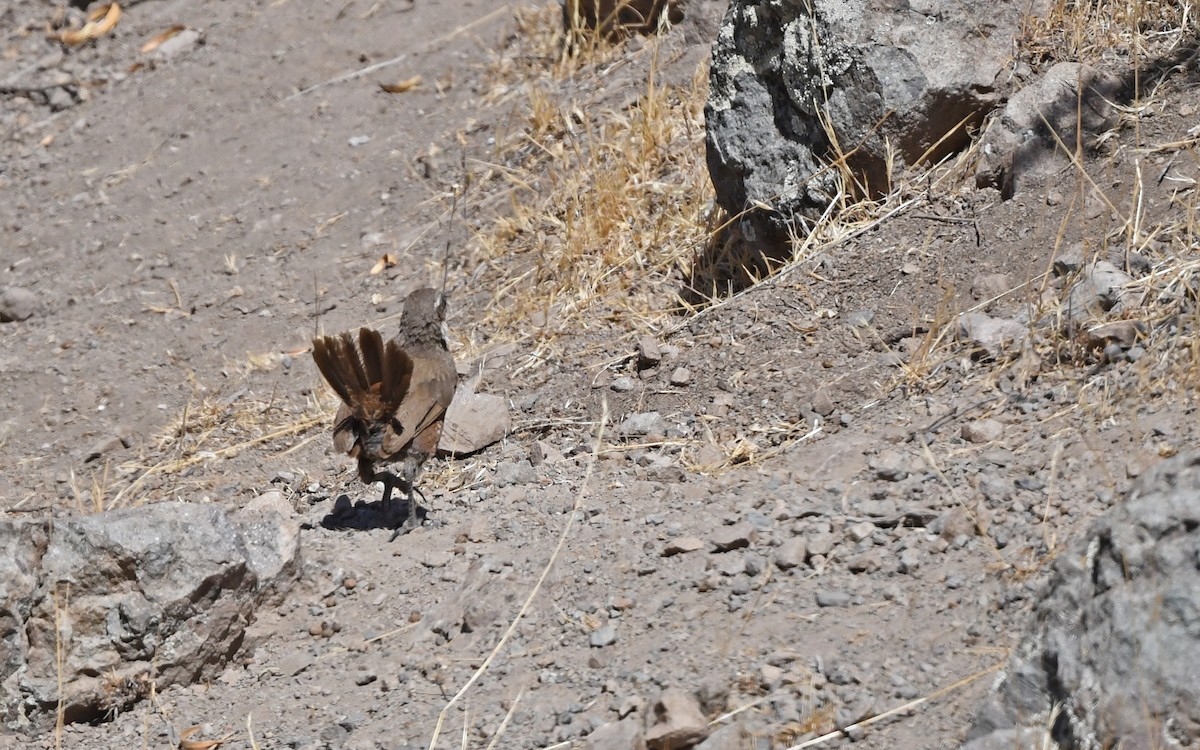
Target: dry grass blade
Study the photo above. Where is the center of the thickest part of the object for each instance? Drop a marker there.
(189, 744)
(250, 733)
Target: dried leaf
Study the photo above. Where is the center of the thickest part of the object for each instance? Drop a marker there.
(100, 21)
(161, 37)
(408, 84)
(186, 744)
(387, 260)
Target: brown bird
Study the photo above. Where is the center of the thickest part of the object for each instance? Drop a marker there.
(394, 395)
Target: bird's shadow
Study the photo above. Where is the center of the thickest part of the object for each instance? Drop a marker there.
(364, 516)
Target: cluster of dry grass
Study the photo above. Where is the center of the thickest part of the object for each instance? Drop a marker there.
(1093, 31)
(190, 450)
(604, 206)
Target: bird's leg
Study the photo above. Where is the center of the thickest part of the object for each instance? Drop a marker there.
(410, 522)
(387, 504)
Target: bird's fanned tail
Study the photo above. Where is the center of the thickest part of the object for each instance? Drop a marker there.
(371, 378)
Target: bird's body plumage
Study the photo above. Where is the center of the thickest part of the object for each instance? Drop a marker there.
(394, 394)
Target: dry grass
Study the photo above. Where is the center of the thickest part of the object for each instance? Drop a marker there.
(1106, 30)
(191, 452)
(605, 208)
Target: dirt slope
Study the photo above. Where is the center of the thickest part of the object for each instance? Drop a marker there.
(188, 227)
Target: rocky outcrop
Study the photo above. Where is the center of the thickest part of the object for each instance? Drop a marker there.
(915, 77)
(112, 604)
(1112, 655)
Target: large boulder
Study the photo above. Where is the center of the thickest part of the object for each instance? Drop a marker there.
(112, 604)
(917, 75)
(1112, 656)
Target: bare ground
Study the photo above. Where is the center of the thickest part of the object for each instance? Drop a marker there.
(188, 224)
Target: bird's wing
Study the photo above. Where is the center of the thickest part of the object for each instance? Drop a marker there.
(429, 394)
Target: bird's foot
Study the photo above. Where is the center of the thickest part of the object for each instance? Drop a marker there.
(415, 516)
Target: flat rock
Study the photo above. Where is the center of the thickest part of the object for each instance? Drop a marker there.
(675, 721)
(681, 545)
(643, 424)
(473, 422)
(983, 431)
(733, 537)
(625, 734)
(994, 335)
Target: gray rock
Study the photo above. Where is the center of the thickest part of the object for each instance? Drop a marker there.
(623, 384)
(909, 560)
(1025, 140)
(1098, 290)
(735, 736)
(1115, 640)
(889, 466)
(733, 537)
(866, 562)
(983, 431)
(953, 523)
(16, 304)
(649, 354)
(994, 335)
(860, 318)
(989, 286)
(643, 424)
(916, 77)
(1023, 738)
(822, 404)
(681, 376)
(515, 472)
(820, 544)
(625, 734)
(60, 99)
(860, 531)
(674, 721)
(1123, 333)
(473, 422)
(791, 554)
(606, 635)
(681, 545)
(160, 594)
(184, 41)
(827, 598)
